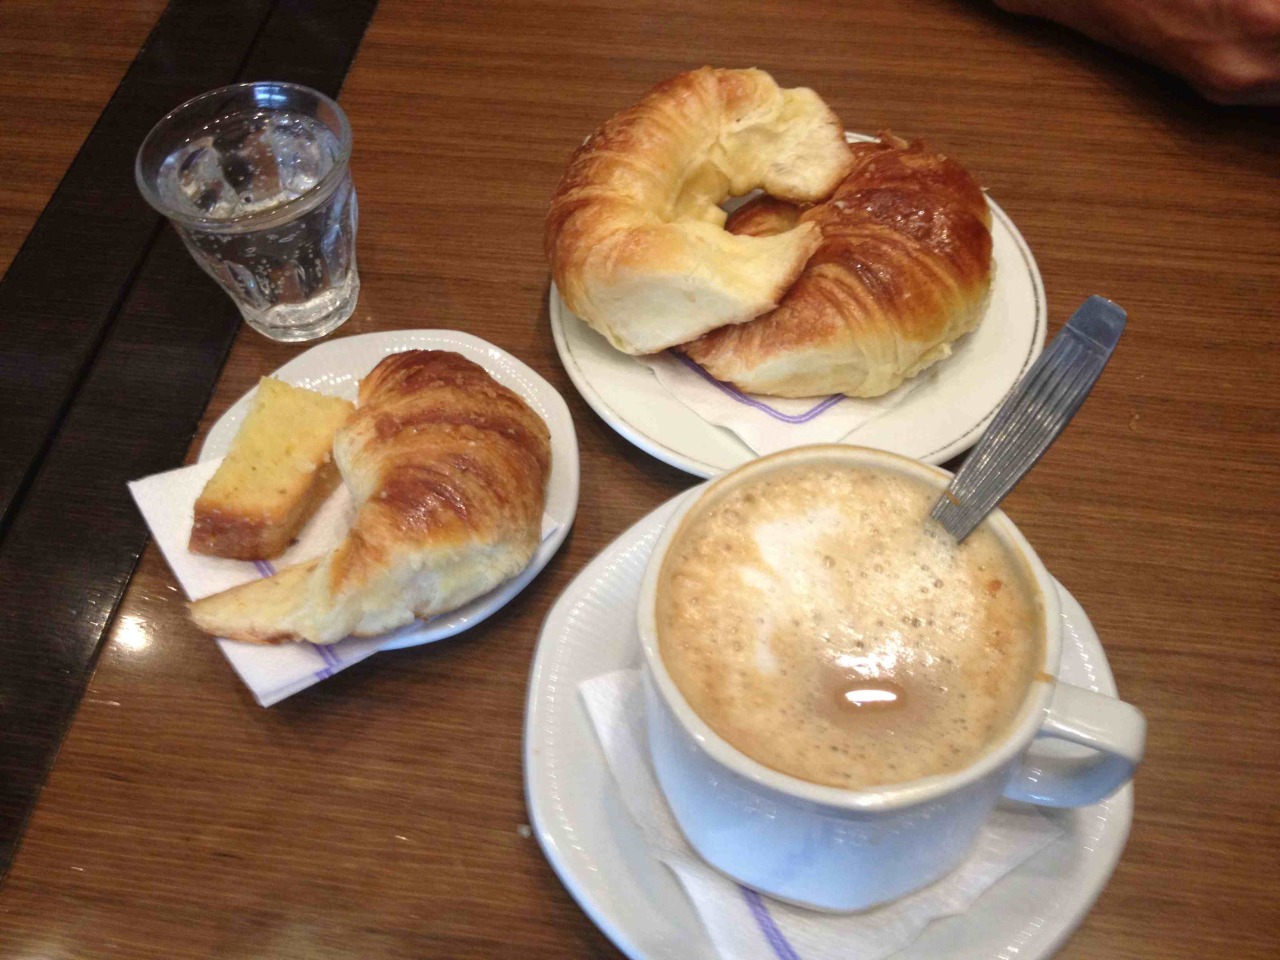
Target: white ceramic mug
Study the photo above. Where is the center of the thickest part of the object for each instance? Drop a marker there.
(841, 850)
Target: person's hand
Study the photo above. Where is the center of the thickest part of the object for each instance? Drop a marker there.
(1229, 50)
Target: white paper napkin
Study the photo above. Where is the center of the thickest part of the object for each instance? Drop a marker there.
(272, 672)
(768, 424)
(744, 925)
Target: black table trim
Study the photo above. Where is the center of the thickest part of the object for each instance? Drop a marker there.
(111, 340)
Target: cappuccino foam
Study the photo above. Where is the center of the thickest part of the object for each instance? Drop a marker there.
(822, 624)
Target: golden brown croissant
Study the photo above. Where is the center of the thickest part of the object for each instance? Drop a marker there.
(635, 234)
(904, 269)
(448, 471)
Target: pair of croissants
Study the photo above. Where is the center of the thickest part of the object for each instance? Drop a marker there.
(857, 268)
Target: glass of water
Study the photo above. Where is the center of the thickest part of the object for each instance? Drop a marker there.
(254, 178)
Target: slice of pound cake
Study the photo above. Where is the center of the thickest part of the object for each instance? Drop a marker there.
(279, 470)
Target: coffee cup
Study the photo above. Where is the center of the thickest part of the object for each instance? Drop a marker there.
(841, 847)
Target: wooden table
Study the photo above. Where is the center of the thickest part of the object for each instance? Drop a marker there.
(380, 813)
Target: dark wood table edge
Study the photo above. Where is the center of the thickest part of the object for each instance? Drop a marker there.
(95, 232)
(131, 375)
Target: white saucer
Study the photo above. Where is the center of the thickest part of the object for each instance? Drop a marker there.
(337, 366)
(601, 856)
(941, 417)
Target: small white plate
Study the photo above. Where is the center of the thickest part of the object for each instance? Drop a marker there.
(338, 366)
(601, 856)
(942, 416)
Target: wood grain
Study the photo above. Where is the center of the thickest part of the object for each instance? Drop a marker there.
(378, 814)
(58, 67)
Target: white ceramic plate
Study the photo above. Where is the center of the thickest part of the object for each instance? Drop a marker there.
(601, 856)
(943, 416)
(337, 367)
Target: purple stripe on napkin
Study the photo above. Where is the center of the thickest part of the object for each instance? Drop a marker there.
(768, 926)
(730, 390)
(332, 663)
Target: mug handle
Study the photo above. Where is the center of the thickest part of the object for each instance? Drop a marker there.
(1115, 730)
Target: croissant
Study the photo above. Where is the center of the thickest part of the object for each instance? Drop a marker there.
(904, 269)
(448, 472)
(635, 234)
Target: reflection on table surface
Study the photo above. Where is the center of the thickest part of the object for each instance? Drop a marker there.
(382, 812)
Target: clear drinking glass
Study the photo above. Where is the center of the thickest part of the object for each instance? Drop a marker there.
(254, 178)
